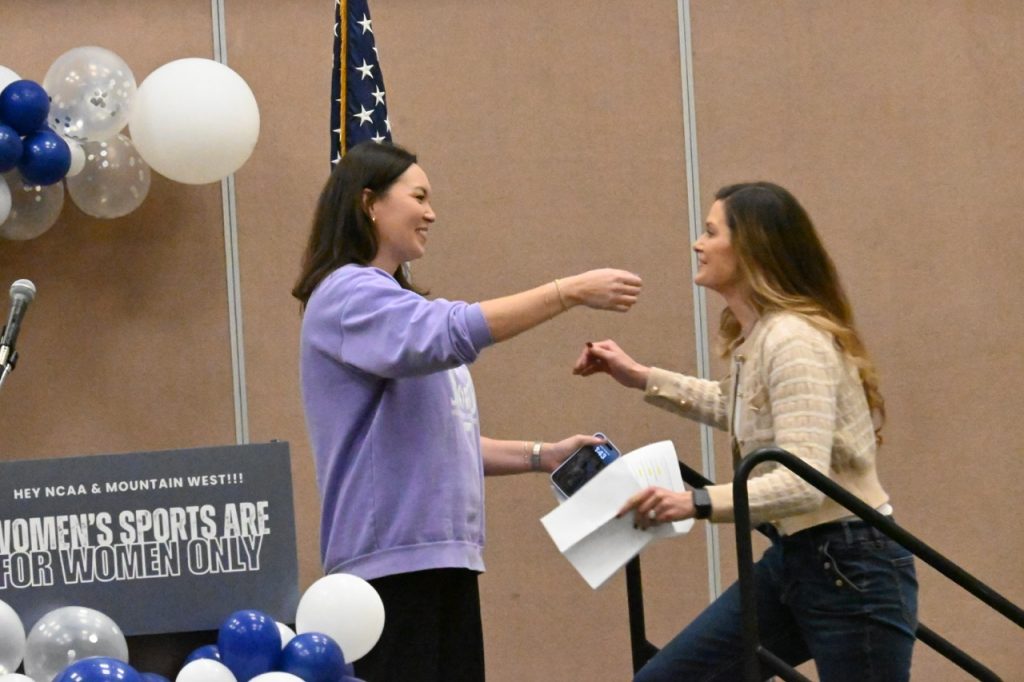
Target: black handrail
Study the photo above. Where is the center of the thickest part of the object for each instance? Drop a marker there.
(754, 654)
(643, 649)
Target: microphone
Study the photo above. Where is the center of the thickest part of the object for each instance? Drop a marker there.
(22, 293)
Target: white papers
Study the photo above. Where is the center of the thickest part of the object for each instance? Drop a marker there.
(584, 527)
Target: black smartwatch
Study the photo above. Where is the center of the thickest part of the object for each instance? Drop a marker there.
(701, 503)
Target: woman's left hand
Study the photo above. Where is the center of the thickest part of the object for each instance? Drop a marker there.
(553, 454)
(652, 506)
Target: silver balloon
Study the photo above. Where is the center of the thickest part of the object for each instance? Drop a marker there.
(70, 634)
(114, 180)
(91, 90)
(12, 640)
(34, 208)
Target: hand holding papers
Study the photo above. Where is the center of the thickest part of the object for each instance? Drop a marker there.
(584, 527)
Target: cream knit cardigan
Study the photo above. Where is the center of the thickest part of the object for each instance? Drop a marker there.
(792, 387)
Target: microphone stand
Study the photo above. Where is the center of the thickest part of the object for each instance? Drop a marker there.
(8, 367)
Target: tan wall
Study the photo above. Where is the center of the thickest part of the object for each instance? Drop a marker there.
(553, 136)
(895, 124)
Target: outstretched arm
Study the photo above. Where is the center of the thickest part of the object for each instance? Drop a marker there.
(503, 457)
(605, 289)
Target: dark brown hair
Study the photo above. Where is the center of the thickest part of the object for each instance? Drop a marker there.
(342, 232)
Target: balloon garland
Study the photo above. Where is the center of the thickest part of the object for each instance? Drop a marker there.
(79, 644)
(194, 121)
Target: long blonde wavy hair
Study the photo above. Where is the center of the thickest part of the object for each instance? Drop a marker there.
(788, 269)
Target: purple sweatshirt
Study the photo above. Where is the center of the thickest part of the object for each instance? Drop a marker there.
(393, 422)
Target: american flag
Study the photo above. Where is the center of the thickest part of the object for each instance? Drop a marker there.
(359, 110)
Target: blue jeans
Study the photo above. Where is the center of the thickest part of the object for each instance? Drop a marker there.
(841, 593)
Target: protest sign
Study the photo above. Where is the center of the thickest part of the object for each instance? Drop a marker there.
(161, 542)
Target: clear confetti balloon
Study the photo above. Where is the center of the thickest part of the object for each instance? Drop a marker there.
(70, 634)
(114, 181)
(91, 92)
(34, 208)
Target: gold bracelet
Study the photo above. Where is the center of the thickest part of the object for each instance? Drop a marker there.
(560, 298)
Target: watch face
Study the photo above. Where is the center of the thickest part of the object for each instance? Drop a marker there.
(701, 503)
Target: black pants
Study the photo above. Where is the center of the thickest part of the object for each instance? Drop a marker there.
(432, 630)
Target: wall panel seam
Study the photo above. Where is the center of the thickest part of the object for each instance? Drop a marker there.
(234, 289)
(700, 308)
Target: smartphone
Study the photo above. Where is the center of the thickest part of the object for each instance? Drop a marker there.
(583, 465)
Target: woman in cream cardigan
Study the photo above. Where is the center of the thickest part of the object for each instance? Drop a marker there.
(830, 588)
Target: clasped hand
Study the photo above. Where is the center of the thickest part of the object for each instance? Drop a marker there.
(607, 357)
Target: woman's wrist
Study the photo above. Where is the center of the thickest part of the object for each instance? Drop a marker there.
(560, 294)
(532, 451)
(568, 295)
(641, 374)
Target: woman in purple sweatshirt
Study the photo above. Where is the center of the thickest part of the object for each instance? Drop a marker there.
(392, 415)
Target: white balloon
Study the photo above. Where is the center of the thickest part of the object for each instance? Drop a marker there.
(12, 632)
(91, 91)
(34, 208)
(345, 608)
(276, 676)
(287, 634)
(5, 204)
(77, 158)
(115, 180)
(15, 677)
(194, 121)
(7, 77)
(205, 670)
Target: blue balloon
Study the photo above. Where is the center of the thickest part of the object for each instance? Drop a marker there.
(249, 643)
(10, 148)
(209, 651)
(24, 106)
(45, 158)
(314, 657)
(350, 670)
(153, 677)
(99, 669)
